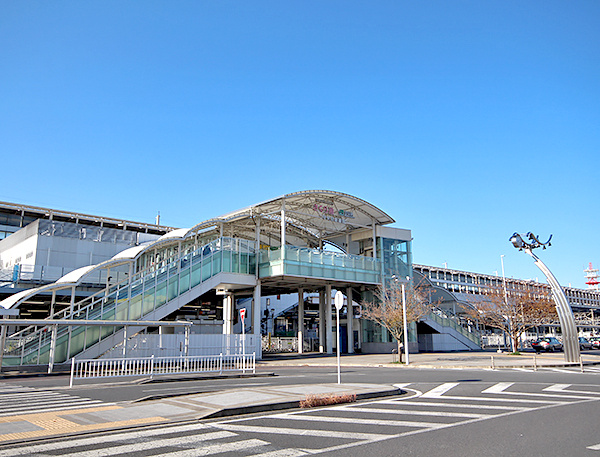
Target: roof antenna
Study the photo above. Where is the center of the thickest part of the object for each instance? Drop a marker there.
(158, 218)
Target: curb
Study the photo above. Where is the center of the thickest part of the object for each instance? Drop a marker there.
(225, 412)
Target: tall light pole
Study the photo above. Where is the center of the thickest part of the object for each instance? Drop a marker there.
(506, 297)
(405, 329)
(404, 323)
(565, 313)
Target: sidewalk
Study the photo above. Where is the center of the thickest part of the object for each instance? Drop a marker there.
(439, 360)
(31, 427)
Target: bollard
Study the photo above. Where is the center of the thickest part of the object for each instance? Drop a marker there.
(493, 368)
(581, 363)
(534, 362)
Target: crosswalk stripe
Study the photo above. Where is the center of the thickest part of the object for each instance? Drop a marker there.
(453, 405)
(497, 388)
(38, 448)
(407, 412)
(11, 396)
(148, 445)
(557, 387)
(214, 449)
(281, 453)
(68, 407)
(392, 423)
(303, 432)
(539, 394)
(492, 399)
(439, 390)
(47, 401)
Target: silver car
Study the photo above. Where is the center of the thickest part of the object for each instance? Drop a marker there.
(548, 344)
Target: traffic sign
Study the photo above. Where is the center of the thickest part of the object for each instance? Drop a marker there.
(338, 300)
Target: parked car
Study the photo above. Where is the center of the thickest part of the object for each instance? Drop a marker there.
(584, 343)
(548, 344)
(595, 341)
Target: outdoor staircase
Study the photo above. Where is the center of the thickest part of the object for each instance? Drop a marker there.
(150, 295)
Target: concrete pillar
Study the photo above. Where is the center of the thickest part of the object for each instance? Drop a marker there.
(52, 349)
(350, 320)
(321, 321)
(328, 319)
(228, 314)
(256, 319)
(300, 321)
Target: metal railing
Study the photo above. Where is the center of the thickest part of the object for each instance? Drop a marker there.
(154, 366)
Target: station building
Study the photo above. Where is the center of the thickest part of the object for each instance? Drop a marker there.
(305, 243)
(280, 261)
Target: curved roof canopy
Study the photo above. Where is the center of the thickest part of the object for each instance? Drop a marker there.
(310, 215)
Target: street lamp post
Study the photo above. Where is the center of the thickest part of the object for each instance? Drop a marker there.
(404, 323)
(506, 301)
(565, 313)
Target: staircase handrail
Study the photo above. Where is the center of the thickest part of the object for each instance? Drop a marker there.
(164, 265)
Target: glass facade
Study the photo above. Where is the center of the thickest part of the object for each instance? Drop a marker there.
(307, 262)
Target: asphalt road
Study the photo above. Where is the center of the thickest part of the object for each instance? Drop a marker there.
(127, 389)
(445, 412)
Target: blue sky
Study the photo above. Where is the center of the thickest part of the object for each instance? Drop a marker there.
(464, 120)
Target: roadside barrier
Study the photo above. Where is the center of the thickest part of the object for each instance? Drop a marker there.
(154, 366)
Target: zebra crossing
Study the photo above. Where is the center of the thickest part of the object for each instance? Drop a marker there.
(16, 400)
(312, 431)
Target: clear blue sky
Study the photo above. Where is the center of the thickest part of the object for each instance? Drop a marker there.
(464, 120)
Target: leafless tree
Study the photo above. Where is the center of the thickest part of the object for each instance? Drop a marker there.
(513, 311)
(386, 307)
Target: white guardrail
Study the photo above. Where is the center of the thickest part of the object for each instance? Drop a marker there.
(154, 366)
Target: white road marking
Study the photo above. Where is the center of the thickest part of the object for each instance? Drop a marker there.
(557, 387)
(595, 447)
(353, 420)
(146, 445)
(453, 405)
(302, 432)
(212, 449)
(37, 448)
(281, 453)
(406, 412)
(439, 390)
(498, 388)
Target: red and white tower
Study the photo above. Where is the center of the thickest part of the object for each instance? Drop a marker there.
(591, 276)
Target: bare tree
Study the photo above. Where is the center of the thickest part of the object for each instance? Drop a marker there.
(386, 307)
(513, 311)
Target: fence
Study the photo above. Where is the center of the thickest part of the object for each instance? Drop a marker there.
(154, 366)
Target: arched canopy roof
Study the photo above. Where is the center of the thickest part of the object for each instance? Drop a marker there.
(310, 215)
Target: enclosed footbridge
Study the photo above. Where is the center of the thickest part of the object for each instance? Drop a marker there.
(302, 242)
